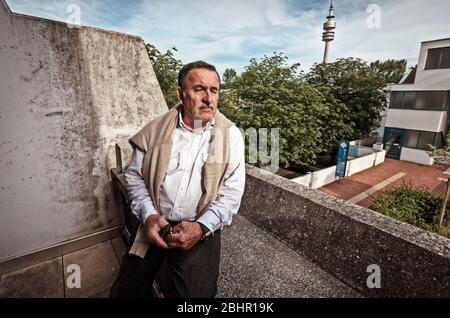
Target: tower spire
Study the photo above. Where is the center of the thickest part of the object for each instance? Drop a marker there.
(328, 31)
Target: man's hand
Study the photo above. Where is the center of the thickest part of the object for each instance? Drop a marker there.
(153, 224)
(185, 235)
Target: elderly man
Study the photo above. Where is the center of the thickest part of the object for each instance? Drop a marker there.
(185, 179)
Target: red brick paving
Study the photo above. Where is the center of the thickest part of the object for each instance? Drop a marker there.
(417, 175)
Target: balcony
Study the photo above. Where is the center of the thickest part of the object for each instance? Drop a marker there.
(286, 241)
(71, 95)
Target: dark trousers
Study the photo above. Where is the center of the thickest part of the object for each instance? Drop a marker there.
(180, 274)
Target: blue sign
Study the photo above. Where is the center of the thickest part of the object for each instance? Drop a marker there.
(341, 164)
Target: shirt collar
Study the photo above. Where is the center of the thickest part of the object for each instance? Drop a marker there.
(181, 123)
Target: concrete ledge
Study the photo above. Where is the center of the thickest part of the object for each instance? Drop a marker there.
(344, 239)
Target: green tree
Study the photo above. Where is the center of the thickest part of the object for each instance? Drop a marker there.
(390, 71)
(336, 124)
(166, 68)
(272, 94)
(228, 77)
(360, 87)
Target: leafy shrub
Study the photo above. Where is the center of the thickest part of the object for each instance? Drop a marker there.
(416, 206)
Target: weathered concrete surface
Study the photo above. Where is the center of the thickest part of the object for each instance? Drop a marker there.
(66, 96)
(44, 280)
(344, 239)
(99, 268)
(119, 248)
(255, 264)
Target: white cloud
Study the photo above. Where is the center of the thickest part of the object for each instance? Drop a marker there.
(206, 29)
(229, 33)
(404, 24)
(92, 13)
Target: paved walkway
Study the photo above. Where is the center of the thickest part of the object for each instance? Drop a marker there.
(361, 187)
(379, 186)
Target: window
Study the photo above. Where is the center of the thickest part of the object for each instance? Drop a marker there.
(420, 139)
(412, 138)
(439, 141)
(433, 58)
(445, 62)
(396, 100)
(438, 58)
(409, 100)
(431, 100)
(423, 100)
(425, 138)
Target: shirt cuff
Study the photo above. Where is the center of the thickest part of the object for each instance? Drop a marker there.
(147, 210)
(210, 220)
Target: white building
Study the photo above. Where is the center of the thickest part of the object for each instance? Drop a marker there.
(419, 106)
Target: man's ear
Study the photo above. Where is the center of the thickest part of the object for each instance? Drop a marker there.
(180, 94)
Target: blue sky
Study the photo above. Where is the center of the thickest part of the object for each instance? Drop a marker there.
(228, 33)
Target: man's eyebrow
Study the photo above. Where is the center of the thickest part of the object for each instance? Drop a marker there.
(204, 87)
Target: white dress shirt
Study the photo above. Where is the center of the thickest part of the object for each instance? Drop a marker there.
(182, 186)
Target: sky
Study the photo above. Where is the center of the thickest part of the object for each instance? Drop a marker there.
(228, 33)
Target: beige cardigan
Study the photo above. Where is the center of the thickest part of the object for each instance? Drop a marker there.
(155, 140)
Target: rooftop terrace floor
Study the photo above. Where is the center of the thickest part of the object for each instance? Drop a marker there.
(254, 264)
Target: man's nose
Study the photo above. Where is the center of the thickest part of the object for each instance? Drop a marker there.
(207, 98)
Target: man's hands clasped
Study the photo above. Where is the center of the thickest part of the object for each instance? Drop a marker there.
(183, 236)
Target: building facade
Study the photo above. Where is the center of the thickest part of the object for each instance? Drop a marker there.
(418, 109)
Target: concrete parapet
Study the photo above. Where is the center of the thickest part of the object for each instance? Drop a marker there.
(344, 239)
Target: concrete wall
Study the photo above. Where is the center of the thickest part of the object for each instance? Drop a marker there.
(360, 164)
(417, 156)
(320, 178)
(436, 79)
(432, 79)
(323, 177)
(67, 95)
(379, 157)
(344, 239)
(317, 179)
(426, 120)
(304, 180)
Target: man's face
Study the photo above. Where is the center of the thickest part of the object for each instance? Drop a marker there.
(199, 96)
